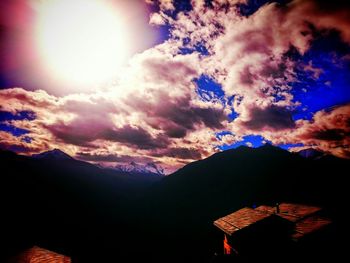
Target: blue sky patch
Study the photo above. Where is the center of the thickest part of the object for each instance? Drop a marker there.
(15, 131)
(27, 139)
(8, 116)
(255, 140)
(208, 89)
(22, 115)
(330, 86)
(290, 145)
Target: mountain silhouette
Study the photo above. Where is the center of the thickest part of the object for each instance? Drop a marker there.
(189, 200)
(100, 215)
(54, 154)
(311, 153)
(58, 202)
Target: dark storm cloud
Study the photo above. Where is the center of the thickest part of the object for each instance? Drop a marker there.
(74, 133)
(67, 133)
(272, 117)
(176, 116)
(332, 6)
(107, 157)
(136, 136)
(181, 153)
(330, 135)
(174, 131)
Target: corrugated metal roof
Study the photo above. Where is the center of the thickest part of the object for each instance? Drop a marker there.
(239, 219)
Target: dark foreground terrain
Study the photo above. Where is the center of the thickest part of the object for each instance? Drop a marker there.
(99, 215)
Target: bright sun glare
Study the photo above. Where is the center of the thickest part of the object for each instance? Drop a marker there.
(81, 41)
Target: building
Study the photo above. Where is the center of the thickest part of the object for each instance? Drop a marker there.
(270, 231)
(39, 255)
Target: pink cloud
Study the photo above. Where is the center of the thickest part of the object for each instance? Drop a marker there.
(141, 122)
(329, 131)
(154, 113)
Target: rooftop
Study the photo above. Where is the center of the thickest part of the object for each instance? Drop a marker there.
(39, 255)
(309, 225)
(239, 219)
(304, 216)
(291, 212)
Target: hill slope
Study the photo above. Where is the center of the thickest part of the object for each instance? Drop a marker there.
(94, 215)
(58, 202)
(187, 202)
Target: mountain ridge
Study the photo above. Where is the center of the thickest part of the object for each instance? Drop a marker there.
(55, 154)
(176, 210)
(311, 153)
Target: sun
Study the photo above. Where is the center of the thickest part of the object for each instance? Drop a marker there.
(80, 41)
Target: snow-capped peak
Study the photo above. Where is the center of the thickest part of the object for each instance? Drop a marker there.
(133, 167)
(153, 168)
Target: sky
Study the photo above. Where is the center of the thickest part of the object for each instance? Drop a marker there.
(171, 82)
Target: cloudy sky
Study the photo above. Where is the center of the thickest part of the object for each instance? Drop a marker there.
(173, 81)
